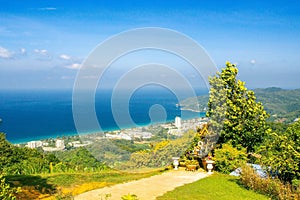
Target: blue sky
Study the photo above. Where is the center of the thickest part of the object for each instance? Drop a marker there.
(42, 43)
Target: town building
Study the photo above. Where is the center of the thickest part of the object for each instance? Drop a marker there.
(178, 122)
(59, 144)
(34, 144)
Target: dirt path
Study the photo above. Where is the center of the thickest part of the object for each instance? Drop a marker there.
(147, 188)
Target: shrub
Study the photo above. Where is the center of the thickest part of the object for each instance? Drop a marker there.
(191, 162)
(268, 186)
(281, 152)
(228, 158)
(161, 155)
(6, 191)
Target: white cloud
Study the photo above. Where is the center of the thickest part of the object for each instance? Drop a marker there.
(5, 53)
(43, 52)
(65, 57)
(74, 66)
(253, 61)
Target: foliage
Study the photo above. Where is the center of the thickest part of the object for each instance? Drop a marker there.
(278, 127)
(79, 159)
(129, 197)
(161, 154)
(281, 152)
(191, 162)
(229, 158)
(16, 160)
(130, 146)
(192, 146)
(281, 104)
(6, 191)
(216, 186)
(25, 161)
(234, 112)
(268, 186)
(108, 152)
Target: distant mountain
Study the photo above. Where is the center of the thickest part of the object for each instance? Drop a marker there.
(283, 105)
(198, 104)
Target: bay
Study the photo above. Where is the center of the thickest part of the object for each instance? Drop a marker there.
(39, 114)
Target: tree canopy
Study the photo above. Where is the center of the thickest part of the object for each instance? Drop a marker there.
(281, 152)
(234, 112)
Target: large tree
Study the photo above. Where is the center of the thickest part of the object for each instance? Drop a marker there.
(234, 113)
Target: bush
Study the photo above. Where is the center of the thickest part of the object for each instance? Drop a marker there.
(228, 158)
(161, 155)
(268, 186)
(281, 152)
(6, 191)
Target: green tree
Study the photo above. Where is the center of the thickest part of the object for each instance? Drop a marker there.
(281, 152)
(234, 113)
(78, 159)
(16, 160)
(9, 156)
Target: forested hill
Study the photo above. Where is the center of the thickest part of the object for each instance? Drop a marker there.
(283, 105)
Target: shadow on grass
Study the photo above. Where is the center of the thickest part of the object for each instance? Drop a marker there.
(32, 184)
(237, 181)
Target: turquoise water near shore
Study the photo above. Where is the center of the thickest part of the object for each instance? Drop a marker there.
(40, 114)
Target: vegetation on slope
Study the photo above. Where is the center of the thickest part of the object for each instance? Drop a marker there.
(41, 175)
(282, 105)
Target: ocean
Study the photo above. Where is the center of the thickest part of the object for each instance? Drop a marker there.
(39, 114)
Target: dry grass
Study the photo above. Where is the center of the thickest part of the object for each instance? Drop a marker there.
(268, 186)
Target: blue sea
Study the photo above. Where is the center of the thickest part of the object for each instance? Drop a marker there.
(39, 114)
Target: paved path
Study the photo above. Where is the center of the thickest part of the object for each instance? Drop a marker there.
(146, 188)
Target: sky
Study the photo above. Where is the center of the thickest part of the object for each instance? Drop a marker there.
(43, 43)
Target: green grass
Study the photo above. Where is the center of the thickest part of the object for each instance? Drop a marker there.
(111, 177)
(217, 186)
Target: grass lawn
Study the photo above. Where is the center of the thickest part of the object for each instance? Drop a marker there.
(216, 186)
(45, 186)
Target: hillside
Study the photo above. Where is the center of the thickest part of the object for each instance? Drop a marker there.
(283, 105)
(194, 105)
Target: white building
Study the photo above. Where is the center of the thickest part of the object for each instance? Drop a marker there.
(178, 122)
(60, 144)
(34, 144)
(124, 136)
(146, 135)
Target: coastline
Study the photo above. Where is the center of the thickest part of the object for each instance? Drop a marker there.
(192, 110)
(73, 134)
